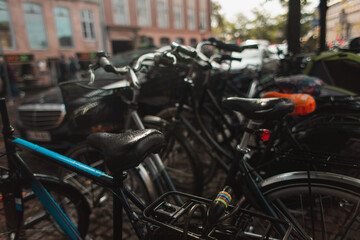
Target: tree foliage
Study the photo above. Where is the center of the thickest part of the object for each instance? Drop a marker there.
(263, 26)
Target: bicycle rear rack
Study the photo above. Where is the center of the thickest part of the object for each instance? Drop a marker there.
(187, 221)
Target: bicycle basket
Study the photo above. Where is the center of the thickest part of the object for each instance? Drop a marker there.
(187, 221)
(101, 104)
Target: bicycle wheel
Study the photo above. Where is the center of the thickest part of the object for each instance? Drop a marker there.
(100, 198)
(38, 223)
(180, 159)
(326, 205)
(102, 216)
(208, 164)
(96, 194)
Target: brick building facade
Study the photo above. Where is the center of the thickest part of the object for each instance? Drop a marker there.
(35, 33)
(342, 20)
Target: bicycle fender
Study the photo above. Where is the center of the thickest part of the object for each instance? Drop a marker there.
(301, 175)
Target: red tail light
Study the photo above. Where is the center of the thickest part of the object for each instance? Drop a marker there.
(264, 134)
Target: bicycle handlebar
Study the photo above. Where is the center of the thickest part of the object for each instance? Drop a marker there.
(225, 46)
(225, 57)
(103, 62)
(190, 52)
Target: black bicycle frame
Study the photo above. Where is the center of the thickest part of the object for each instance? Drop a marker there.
(19, 168)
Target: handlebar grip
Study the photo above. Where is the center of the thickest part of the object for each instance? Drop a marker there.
(203, 65)
(163, 59)
(184, 49)
(251, 46)
(229, 57)
(226, 46)
(106, 65)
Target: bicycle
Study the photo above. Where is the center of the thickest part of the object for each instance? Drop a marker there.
(123, 151)
(320, 188)
(89, 102)
(322, 182)
(198, 113)
(335, 115)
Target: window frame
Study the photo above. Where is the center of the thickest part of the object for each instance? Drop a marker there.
(168, 41)
(160, 16)
(43, 25)
(203, 15)
(193, 7)
(87, 22)
(148, 21)
(126, 10)
(175, 5)
(11, 28)
(71, 29)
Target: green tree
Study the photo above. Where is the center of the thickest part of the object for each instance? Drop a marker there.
(218, 21)
(262, 27)
(241, 27)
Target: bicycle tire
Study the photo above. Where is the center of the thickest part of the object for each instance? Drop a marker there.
(180, 159)
(335, 201)
(208, 164)
(103, 213)
(38, 224)
(100, 198)
(94, 193)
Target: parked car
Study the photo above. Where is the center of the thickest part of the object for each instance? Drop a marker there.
(260, 58)
(42, 119)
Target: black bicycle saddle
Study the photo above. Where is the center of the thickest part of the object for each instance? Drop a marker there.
(260, 108)
(123, 151)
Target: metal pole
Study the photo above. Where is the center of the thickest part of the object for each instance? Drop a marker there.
(103, 26)
(293, 27)
(322, 9)
(6, 76)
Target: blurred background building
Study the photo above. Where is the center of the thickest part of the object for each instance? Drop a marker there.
(35, 34)
(343, 20)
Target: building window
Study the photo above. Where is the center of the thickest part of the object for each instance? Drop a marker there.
(178, 14)
(146, 42)
(193, 42)
(164, 41)
(121, 12)
(87, 23)
(143, 13)
(162, 14)
(35, 26)
(6, 30)
(203, 15)
(180, 40)
(63, 27)
(191, 14)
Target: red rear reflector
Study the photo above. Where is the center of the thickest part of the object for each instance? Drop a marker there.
(264, 134)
